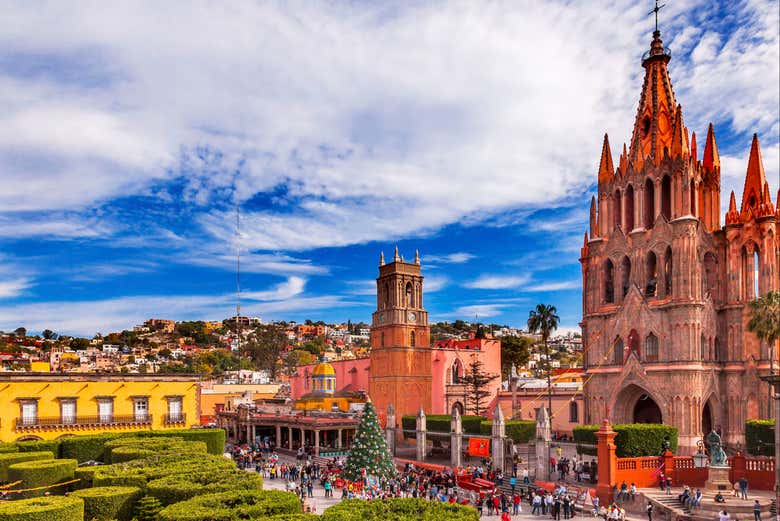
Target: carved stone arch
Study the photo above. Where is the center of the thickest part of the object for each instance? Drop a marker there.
(624, 402)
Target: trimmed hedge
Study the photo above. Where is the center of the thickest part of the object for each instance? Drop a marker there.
(521, 431)
(85, 475)
(633, 439)
(137, 473)
(48, 508)
(292, 517)
(40, 473)
(8, 447)
(108, 503)
(233, 506)
(760, 437)
(399, 510)
(181, 487)
(85, 448)
(471, 424)
(213, 438)
(10, 458)
(118, 451)
(584, 437)
(441, 423)
(52, 446)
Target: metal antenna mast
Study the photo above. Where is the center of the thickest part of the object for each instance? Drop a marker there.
(238, 275)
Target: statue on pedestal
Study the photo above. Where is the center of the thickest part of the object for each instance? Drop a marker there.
(717, 454)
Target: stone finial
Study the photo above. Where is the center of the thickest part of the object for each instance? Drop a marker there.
(421, 413)
(417, 257)
(498, 415)
(381, 258)
(396, 257)
(390, 409)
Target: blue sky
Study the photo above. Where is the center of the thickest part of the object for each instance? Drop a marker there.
(468, 130)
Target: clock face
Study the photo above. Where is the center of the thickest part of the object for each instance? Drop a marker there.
(412, 316)
(381, 318)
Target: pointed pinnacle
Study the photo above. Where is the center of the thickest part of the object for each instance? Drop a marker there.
(694, 153)
(606, 168)
(710, 159)
(754, 177)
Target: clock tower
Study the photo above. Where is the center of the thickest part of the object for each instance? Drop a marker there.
(400, 372)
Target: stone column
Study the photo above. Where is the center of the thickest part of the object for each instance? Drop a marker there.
(498, 438)
(543, 436)
(390, 429)
(338, 440)
(422, 437)
(289, 438)
(607, 462)
(249, 434)
(316, 442)
(456, 439)
(278, 435)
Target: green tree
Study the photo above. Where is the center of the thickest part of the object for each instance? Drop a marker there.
(544, 320)
(515, 350)
(315, 346)
(264, 348)
(164, 353)
(79, 344)
(147, 509)
(295, 358)
(765, 324)
(21, 332)
(48, 334)
(369, 449)
(475, 379)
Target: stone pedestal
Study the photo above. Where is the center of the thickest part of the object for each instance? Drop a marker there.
(718, 479)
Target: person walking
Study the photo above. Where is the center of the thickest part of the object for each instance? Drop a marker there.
(757, 511)
(649, 510)
(743, 487)
(536, 504)
(513, 484)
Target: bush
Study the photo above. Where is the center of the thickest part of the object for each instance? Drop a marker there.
(760, 437)
(147, 509)
(10, 458)
(121, 450)
(41, 473)
(107, 503)
(52, 446)
(633, 439)
(399, 510)
(43, 509)
(471, 424)
(8, 447)
(180, 487)
(85, 475)
(521, 431)
(213, 438)
(137, 473)
(584, 437)
(441, 423)
(233, 506)
(85, 448)
(292, 517)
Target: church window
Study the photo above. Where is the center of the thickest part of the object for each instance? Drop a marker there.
(633, 344)
(409, 299)
(628, 208)
(651, 284)
(651, 348)
(710, 279)
(703, 353)
(574, 413)
(668, 271)
(626, 275)
(387, 296)
(382, 339)
(666, 197)
(693, 199)
(717, 350)
(411, 339)
(756, 292)
(617, 351)
(609, 282)
(649, 204)
(457, 371)
(618, 210)
(743, 280)
(645, 126)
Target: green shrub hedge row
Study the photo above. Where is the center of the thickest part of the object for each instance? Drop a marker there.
(40, 473)
(138, 473)
(108, 503)
(233, 506)
(126, 449)
(760, 437)
(85, 448)
(521, 431)
(9, 458)
(51, 508)
(213, 438)
(180, 487)
(398, 510)
(39, 445)
(441, 423)
(633, 439)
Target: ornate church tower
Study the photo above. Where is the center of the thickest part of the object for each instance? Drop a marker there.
(400, 340)
(664, 286)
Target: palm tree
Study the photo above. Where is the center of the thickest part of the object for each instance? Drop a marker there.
(765, 324)
(544, 320)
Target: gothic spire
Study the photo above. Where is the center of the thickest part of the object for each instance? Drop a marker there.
(606, 168)
(381, 258)
(593, 223)
(679, 139)
(710, 159)
(623, 161)
(732, 216)
(396, 257)
(752, 194)
(417, 257)
(693, 148)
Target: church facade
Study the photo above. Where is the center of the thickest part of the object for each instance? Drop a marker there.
(666, 287)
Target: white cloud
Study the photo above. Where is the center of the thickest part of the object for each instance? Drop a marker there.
(434, 283)
(553, 286)
(283, 291)
(14, 287)
(481, 311)
(498, 282)
(449, 258)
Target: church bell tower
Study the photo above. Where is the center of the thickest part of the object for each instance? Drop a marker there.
(400, 339)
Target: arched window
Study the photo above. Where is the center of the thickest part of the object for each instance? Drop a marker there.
(668, 271)
(609, 282)
(745, 286)
(649, 204)
(618, 214)
(625, 275)
(651, 275)
(628, 208)
(617, 351)
(710, 278)
(633, 344)
(411, 339)
(694, 210)
(382, 339)
(574, 413)
(387, 295)
(703, 347)
(651, 348)
(457, 371)
(718, 355)
(409, 295)
(666, 197)
(756, 291)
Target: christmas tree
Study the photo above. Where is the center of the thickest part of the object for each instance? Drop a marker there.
(369, 449)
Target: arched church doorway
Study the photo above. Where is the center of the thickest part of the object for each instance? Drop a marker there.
(706, 419)
(647, 411)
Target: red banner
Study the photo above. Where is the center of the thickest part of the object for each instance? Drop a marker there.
(479, 447)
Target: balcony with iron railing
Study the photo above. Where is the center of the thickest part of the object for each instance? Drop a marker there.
(60, 422)
(175, 419)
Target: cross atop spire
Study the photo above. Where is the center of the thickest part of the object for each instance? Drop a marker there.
(655, 10)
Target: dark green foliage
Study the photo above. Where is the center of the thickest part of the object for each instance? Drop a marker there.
(126, 449)
(147, 509)
(8, 447)
(9, 458)
(369, 449)
(760, 437)
(213, 438)
(49, 508)
(585, 437)
(633, 439)
(137, 473)
(292, 517)
(41, 473)
(180, 487)
(399, 510)
(107, 503)
(52, 446)
(85, 475)
(233, 506)
(85, 448)
(521, 431)
(441, 423)
(471, 424)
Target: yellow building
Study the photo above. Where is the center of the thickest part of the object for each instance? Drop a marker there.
(324, 396)
(49, 405)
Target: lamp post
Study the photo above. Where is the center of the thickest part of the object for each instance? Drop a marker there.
(774, 380)
(700, 458)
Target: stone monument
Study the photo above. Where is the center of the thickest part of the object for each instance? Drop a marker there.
(718, 471)
(543, 435)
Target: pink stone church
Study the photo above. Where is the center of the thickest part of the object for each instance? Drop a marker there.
(666, 287)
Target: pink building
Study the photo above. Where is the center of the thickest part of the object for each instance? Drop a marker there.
(351, 375)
